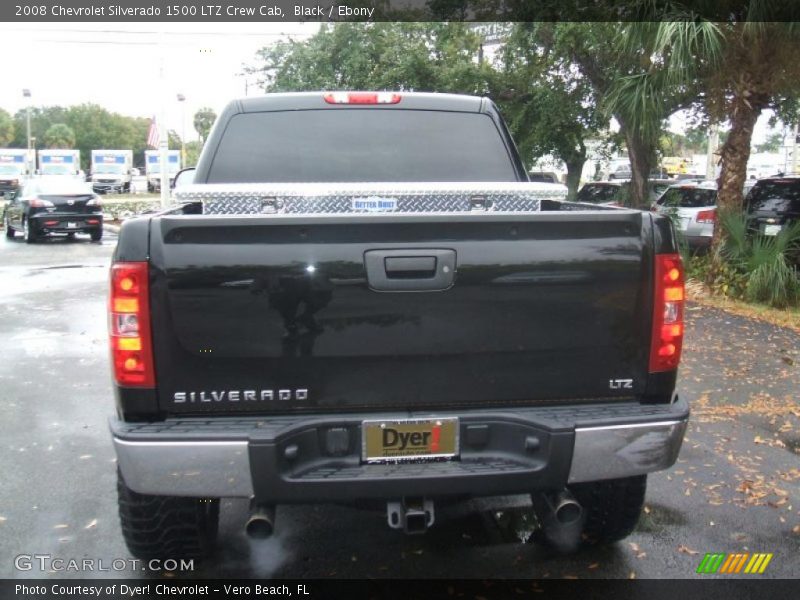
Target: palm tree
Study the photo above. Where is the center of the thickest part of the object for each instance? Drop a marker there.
(59, 135)
(739, 68)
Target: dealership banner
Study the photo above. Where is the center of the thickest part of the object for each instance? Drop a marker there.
(408, 589)
(385, 10)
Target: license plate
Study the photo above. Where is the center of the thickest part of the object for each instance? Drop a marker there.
(410, 439)
(772, 229)
(71, 225)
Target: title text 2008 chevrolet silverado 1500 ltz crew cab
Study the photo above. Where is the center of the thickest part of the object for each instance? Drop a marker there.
(361, 298)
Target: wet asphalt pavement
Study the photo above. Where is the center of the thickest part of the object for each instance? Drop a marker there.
(735, 488)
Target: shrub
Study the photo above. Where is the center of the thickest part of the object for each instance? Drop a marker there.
(762, 262)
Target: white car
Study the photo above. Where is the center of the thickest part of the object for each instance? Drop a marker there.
(695, 206)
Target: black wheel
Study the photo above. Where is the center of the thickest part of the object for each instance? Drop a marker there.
(127, 188)
(96, 235)
(10, 233)
(167, 526)
(27, 233)
(611, 508)
(151, 188)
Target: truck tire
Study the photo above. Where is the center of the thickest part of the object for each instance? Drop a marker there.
(10, 233)
(611, 508)
(167, 526)
(96, 235)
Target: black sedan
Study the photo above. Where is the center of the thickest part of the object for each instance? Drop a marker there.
(54, 205)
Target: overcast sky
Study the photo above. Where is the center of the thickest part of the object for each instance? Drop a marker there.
(116, 65)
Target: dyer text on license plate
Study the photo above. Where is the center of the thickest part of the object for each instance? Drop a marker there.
(409, 439)
(72, 225)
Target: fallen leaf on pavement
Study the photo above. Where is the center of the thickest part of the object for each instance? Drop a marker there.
(687, 550)
(91, 524)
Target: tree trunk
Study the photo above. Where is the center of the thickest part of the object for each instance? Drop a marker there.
(641, 155)
(574, 172)
(735, 154)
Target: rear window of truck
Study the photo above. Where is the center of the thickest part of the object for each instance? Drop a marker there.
(353, 145)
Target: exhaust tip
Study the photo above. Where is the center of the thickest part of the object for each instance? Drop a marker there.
(569, 513)
(259, 528)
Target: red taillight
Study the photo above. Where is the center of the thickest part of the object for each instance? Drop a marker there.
(707, 216)
(362, 98)
(129, 326)
(667, 337)
(50, 223)
(93, 221)
(39, 203)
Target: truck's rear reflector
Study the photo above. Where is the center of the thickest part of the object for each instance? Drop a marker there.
(667, 337)
(129, 325)
(362, 98)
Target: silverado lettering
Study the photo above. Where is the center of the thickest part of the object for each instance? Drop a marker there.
(239, 395)
(442, 307)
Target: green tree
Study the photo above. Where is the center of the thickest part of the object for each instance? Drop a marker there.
(742, 67)
(192, 153)
(203, 120)
(597, 55)
(41, 120)
(59, 135)
(6, 128)
(173, 140)
(550, 107)
(433, 57)
(773, 143)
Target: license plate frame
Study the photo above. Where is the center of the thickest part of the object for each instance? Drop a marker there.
(771, 229)
(72, 225)
(374, 437)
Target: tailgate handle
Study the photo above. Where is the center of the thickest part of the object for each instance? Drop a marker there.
(410, 267)
(410, 270)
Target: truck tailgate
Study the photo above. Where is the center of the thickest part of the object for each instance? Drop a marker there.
(286, 313)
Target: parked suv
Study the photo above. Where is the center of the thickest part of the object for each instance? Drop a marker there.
(773, 204)
(695, 205)
(617, 193)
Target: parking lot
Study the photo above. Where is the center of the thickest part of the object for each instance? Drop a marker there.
(735, 488)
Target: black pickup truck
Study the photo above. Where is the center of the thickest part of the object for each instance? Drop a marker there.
(362, 299)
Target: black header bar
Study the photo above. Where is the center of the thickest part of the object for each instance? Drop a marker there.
(390, 10)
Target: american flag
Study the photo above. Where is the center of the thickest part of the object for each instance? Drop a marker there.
(152, 134)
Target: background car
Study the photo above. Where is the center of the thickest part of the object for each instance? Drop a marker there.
(603, 193)
(772, 205)
(694, 207)
(544, 176)
(617, 193)
(54, 205)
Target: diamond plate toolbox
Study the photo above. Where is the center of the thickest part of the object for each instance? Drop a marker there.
(343, 198)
